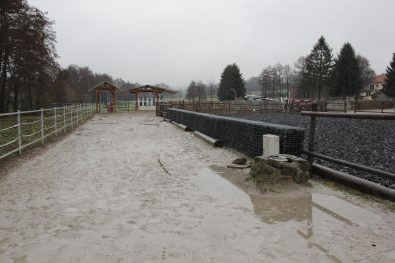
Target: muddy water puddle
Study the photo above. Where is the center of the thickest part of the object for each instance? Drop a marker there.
(319, 220)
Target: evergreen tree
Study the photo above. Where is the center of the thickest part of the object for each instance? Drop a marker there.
(231, 84)
(347, 76)
(319, 65)
(389, 85)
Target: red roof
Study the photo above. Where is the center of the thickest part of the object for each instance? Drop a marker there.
(379, 79)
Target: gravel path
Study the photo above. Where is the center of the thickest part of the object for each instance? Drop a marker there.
(130, 188)
(367, 142)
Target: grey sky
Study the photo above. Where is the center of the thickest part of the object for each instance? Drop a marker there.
(176, 41)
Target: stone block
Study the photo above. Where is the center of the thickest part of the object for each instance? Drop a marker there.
(274, 172)
(271, 145)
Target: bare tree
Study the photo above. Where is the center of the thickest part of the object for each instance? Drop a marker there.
(366, 71)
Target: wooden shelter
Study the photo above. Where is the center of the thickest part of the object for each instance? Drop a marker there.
(105, 86)
(156, 91)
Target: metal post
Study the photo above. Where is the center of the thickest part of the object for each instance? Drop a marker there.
(382, 106)
(77, 113)
(19, 132)
(311, 142)
(42, 125)
(71, 115)
(64, 118)
(56, 123)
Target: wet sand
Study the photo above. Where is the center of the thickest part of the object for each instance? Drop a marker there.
(131, 188)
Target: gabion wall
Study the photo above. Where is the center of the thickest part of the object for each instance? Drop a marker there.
(240, 134)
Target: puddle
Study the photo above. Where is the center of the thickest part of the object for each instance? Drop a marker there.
(297, 205)
(313, 216)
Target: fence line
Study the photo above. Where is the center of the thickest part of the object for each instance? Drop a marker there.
(340, 175)
(38, 125)
(294, 105)
(223, 107)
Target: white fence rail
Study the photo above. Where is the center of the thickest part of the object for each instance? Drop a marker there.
(21, 129)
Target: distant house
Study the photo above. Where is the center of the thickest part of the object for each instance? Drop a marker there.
(373, 88)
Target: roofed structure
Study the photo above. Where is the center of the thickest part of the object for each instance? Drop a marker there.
(373, 88)
(152, 89)
(105, 86)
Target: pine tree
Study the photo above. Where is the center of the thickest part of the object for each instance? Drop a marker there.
(347, 76)
(389, 85)
(319, 65)
(231, 84)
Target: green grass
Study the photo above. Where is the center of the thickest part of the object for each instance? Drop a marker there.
(30, 128)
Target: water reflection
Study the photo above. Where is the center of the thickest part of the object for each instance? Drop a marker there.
(273, 209)
(303, 206)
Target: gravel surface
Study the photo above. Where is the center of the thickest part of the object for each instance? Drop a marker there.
(367, 142)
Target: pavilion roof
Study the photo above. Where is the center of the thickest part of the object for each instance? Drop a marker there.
(104, 86)
(150, 88)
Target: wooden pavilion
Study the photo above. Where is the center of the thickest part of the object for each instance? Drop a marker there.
(105, 86)
(156, 91)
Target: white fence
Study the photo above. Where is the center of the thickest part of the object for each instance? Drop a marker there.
(21, 129)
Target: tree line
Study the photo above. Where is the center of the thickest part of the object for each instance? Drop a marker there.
(31, 78)
(28, 56)
(318, 75)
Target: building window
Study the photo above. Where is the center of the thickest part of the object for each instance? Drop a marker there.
(371, 87)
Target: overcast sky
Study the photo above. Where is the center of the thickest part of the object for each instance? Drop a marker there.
(176, 41)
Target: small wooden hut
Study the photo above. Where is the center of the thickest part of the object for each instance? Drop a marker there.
(105, 86)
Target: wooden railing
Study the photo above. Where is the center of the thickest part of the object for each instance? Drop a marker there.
(232, 107)
(223, 107)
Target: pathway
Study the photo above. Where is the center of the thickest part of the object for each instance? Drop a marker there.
(131, 188)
